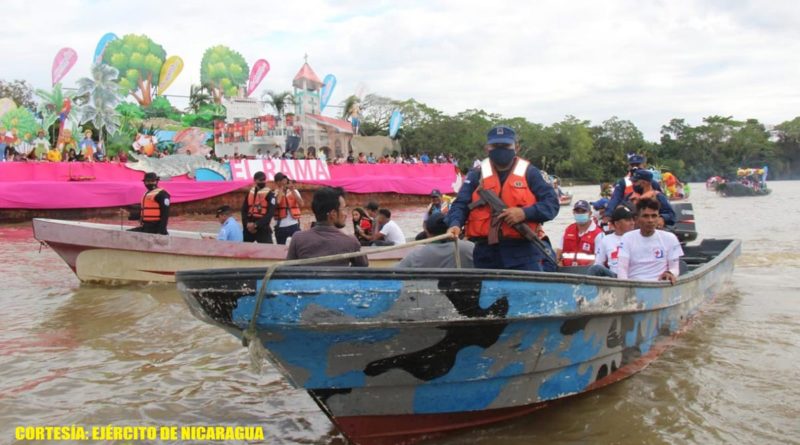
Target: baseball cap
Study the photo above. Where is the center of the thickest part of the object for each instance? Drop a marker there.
(600, 203)
(642, 174)
(150, 176)
(583, 205)
(621, 212)
(501, 134)
(223, 209)
(435, 193)
(635, 159)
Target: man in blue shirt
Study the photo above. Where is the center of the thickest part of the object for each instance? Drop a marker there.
(231, 230)
(521, 186)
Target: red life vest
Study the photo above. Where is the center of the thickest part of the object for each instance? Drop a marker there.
(290, 202)
(151, 211)
(257, 204)
(515, 192)
(578, 250)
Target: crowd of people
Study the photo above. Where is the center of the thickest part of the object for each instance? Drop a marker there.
(500, 211)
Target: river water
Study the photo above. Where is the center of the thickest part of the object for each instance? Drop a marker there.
(89, 355)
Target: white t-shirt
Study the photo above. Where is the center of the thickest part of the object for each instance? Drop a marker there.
(649, 257)
(608, 251)
(393, 233)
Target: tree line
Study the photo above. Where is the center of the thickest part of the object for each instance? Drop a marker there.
(575, 148)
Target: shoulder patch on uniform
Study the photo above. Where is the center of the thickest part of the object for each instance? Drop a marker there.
(166, 201)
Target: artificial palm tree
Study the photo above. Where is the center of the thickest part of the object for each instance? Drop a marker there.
(51, 103)
(198, 97)
(278, 101)
(103, 95)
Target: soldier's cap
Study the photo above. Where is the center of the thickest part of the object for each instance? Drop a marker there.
(600, 203)
(636, 159)
(642, 174)
(150, 176)
(501, 134)
(435, 193)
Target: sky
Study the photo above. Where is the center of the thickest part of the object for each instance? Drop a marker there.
(647, 62)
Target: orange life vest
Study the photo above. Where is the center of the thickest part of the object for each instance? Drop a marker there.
(628, 186)
(289, 201)
(257, 204)
(578, 250)
(151, 211)
(514, 192)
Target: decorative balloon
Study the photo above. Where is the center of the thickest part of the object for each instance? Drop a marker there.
(327, 91)
(6, 105)
(394, 123)
(101, 46)
(169, 72)
(257, 74)
(64, 61)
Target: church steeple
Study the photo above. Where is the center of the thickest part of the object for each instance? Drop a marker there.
(306, 89)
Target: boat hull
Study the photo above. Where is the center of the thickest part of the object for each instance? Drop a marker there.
(394, 355)
(109, 253)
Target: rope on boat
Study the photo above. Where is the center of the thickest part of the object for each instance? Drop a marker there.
(250, 333)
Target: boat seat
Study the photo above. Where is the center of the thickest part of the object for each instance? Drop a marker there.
(683, 267)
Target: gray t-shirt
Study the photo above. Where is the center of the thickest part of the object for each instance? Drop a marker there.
(439, 255)
(324, 240)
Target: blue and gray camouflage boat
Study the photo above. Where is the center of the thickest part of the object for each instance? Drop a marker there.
(393, 355)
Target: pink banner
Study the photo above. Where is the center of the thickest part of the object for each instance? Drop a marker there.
(62, 63)
(72, 185)
(257, 74)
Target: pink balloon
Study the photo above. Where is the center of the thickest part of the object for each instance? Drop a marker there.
(64, 61)
(257, 74)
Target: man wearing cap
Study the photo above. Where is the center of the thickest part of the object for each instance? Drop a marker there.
(231, 230)
(154, 207)
(288, 201)
(521, 186)
(625, 185)
(440, 254)
(436, 207)
(643, 188)
(580, 238)
(648, 253)
(257, 211)
(607, 259)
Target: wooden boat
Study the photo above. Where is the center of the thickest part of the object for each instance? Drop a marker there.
(395, 355)
(109, 253)
(733, 188)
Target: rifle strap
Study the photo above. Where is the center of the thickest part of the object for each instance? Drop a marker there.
(494, 230)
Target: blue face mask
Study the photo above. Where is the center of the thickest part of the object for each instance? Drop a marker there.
(581, 218)
(502, 157)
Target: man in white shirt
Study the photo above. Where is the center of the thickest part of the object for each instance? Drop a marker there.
(606, 259)
(390, 234)
(649, 254)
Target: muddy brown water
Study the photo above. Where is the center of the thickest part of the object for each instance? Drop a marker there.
(90, 355)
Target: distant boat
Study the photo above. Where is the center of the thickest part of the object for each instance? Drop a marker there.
(738, 189)
(394, 355)
(565, 199)
(109, 253)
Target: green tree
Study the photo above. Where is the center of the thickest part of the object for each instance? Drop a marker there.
(278, 101)
(573, 138)
(104, 96)
(612, 141)
(223, 71)
(19, 91)
(161, 107)
(787, 148)
(138, 60)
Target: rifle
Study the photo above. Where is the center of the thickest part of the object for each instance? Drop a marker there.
(497, 205)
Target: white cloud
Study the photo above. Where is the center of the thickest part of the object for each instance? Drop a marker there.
(643, 61)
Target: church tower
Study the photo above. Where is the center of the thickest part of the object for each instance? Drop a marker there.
(306, 90)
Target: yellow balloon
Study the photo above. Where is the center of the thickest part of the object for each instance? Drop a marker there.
(169, 72)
